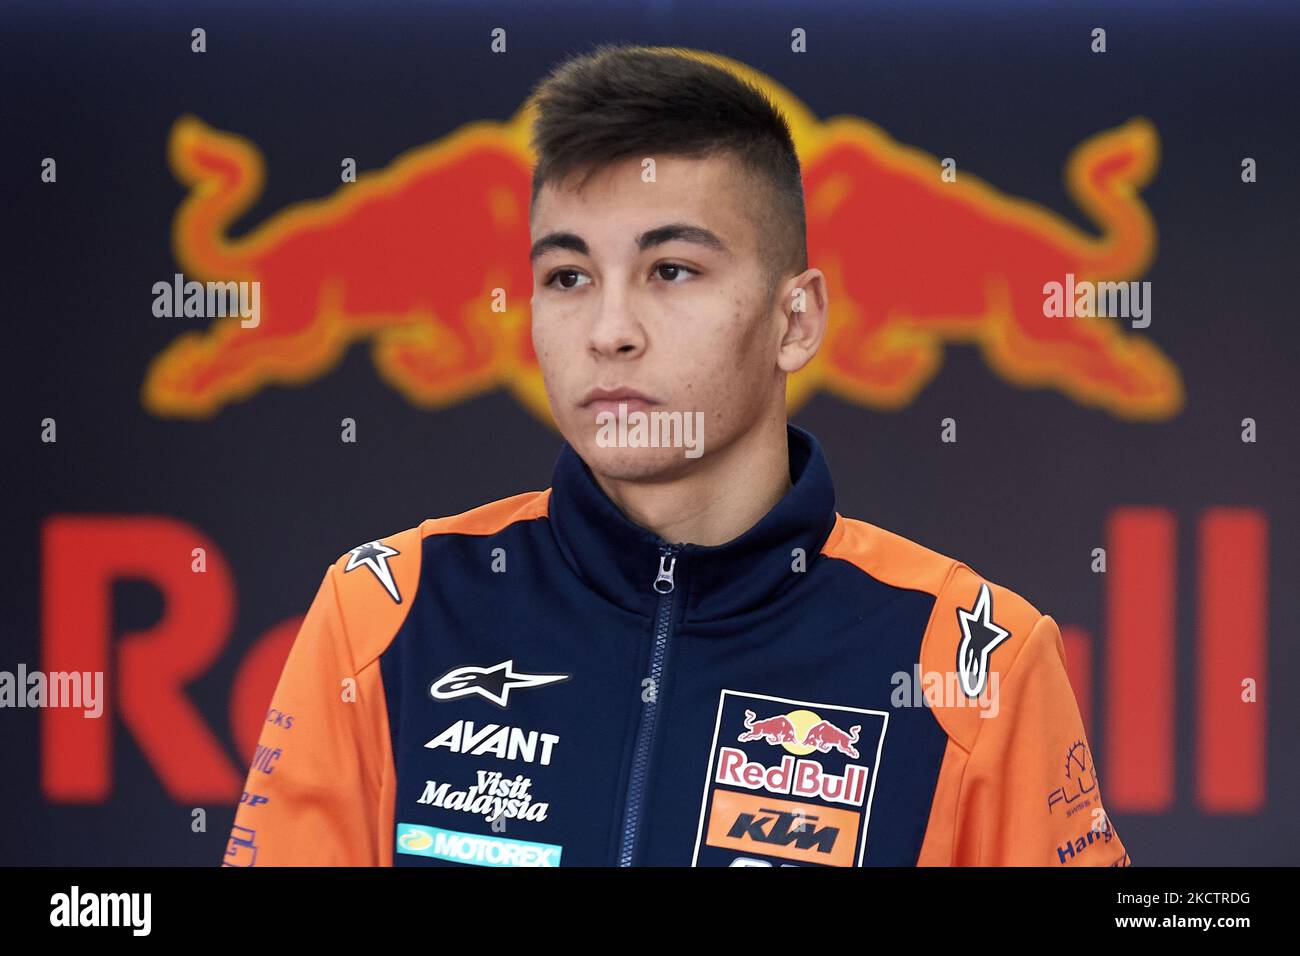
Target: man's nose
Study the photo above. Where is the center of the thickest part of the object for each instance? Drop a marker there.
(615, 331)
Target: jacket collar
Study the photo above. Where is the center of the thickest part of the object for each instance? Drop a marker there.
(621, 560)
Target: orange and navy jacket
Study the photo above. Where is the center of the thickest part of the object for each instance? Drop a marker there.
(541, 682)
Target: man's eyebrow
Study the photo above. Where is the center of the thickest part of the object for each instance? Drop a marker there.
(558, 240)
(680, 232)
(673, 232)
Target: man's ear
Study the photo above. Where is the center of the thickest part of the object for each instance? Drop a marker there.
(804, 305)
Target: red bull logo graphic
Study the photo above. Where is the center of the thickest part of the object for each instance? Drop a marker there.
(775, 730)
(799, 778)
(822, 736)
(426, 262)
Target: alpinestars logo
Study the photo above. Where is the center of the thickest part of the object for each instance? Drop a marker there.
(979, 637)
(374, 555)
(491, 683)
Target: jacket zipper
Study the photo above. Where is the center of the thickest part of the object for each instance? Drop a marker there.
(663, 584)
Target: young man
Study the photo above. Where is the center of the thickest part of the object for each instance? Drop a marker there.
(679, 653)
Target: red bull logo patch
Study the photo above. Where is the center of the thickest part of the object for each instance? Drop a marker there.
(789, 780)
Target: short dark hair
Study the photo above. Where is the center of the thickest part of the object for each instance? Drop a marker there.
(621, 100)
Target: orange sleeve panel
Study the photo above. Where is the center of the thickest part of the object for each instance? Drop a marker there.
(319, 791)
(1017, 786)
(321, 786)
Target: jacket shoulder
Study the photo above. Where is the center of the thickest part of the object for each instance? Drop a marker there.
(976, 629)
(492, 517)
(376, 582)
(902, 563)
(889, 558)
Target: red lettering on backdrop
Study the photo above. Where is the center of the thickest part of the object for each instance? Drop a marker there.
(1232, 596)
(1139, 772)
(145, 672)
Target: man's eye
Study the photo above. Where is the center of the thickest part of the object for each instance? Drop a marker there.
(675, 269)
(565, 272)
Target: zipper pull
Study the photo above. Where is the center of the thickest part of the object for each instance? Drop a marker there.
(664, 583)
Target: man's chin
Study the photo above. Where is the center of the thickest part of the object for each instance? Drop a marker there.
(636, 464)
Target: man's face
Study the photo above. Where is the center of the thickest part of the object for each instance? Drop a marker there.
(654, 289)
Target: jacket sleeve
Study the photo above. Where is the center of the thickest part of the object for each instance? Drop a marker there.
(314, 792)
(1030, 795)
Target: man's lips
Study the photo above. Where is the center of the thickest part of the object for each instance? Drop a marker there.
(602, 406)
(600, 400)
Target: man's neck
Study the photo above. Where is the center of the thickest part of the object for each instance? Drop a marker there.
(721, 499)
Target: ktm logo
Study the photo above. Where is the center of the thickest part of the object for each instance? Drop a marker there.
(782, 828)
(789, 829)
